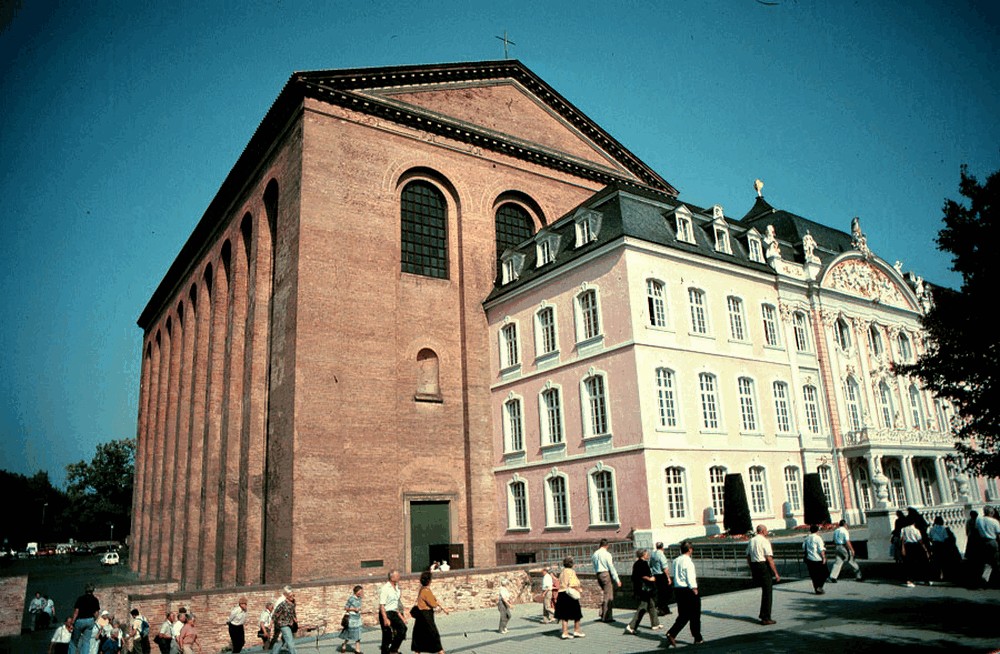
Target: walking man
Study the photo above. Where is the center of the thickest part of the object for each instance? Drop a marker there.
(390, 614)
(547, 604)
(607, 576)
(686, 594)
(815, 555)
(845, 553)
(85, 613)
(988, 531)
(237, 630)
(660, 566)
(760, 556)
(282, 620)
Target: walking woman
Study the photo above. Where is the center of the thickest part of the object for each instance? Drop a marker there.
(644, 589)
(568, 601)
(352, 632)
(426, 638)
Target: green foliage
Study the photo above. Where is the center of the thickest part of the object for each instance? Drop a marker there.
(100, 492)
(32, 514)
(737, 510)
(816, 512)
(962, 357)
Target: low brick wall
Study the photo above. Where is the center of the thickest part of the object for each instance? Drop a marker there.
(12, 593)
(321, 603)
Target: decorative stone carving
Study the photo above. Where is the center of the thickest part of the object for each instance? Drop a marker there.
(858, 238)
(865, 280)
(881, 485)
(771, 240)
(809, 248)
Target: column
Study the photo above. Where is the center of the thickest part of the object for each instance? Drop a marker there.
(141, 449)
(944, 488)
(182, 450)
(163, 504)
(912, 496)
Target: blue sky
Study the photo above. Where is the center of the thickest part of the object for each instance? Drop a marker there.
(121, 119)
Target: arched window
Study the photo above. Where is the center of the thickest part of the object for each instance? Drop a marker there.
(853, 396)
(603, 503)
(699, 313)
(782, 410)
(800, 326)
(595, 406)
(517, 504)
(709, 401)
(545, 331)
(842, 331)
(875, 341)
(737, 321)
(772, 336)
(674, 486)
(551, 417)
(513, 425)
(748, 404)
(905, 347)
(717, 489)
(666, 397)
(588, 316)
(885, 404)
(655, 303)
(897, 492)
(509, 347)
(916, 408)
(428, 375)
(758, 489)
(792, 484)
(829, 490)
(810, 406)
(424, 230)
(556, 501)
(863, 484)
(925, 482)
(513, 226)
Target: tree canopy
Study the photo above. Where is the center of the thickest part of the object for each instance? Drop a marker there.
(100, 491)
(962, 357)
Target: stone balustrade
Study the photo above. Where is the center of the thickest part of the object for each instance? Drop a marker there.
(902, 437)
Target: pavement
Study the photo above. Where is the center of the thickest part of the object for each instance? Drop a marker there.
(851, 617)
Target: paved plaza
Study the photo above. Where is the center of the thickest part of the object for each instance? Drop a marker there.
(851, 617)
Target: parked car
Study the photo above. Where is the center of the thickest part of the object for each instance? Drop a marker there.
(110, 558)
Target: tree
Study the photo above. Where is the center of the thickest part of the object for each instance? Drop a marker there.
(101, 491)
(962, 357)
(814, 500)
(736, 518)
(33, 513)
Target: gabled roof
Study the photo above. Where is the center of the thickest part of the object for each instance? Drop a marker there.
(355, 89)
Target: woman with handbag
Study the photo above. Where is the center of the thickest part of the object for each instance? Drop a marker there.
(568, 600)
(644, 589)
(425, 632)
(351, 623)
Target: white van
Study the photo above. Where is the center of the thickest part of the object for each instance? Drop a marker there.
(110, 558)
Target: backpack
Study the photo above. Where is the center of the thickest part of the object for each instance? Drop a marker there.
(144, 627)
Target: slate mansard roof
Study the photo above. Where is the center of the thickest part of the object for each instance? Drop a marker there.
(649, 216)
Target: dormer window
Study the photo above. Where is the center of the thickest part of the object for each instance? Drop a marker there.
(511, 265)
(588, 226)
(755, 247)
(546, 248)
(722, 240)
(682, 218)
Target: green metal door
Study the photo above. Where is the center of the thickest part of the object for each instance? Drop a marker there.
(430, 524)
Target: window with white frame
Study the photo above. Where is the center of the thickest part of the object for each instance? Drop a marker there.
(513, 425)
(595, 406)
(666, 397)
(748, 404)
(717, 489)
(853, 396)
(810, 406)
(707, 387)
(905, 347)
(588, 226)
(699, 313)
(755, 247)
(842, 332)
(551, 418)
(800, 326)
(737, 320)
(546, 248)
(942, 419)
(588, 314)
(674, 486)
(991, 489)
(792, 484)
(864, 486)
(545, 331)
(826, 481)
(604, 506)
(722, 240)
(556, 501)
(875, 340)
(772, 336)
(512, 264)
(782, 407)
(897, 490)
(885, 405)
(517, 505)
(583, 234)
(925, 482)
(510, 355)
(683, 225)
(916, 408)
(655, 304)
(758, 489)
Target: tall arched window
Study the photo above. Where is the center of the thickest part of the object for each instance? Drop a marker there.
(517, 504)
(666, 397)
(655, 303)
(513, 226)
(674, 487)
(424, 230)
(916, 408)
(810, 406)
(792, 483)
(853, 396)
(863, 484)
(709, 401)
(885, 400)
(603, 504)
(428, 375)
(717, 489)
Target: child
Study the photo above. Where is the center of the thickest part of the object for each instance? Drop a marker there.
(353, 611)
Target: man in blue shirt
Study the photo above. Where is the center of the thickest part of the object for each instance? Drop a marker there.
(660, 566)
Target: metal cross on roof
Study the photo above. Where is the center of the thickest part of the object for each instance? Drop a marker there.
(506, 42)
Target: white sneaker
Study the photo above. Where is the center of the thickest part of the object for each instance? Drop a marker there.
(579, 634)
(629, 629)
(657, 627)
(567, 637)
(910, 584)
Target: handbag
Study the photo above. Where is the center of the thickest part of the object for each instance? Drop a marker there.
(414, 611)
(573, 593)
(345, 621)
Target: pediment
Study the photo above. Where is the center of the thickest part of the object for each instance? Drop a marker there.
(506, 108)
(863, 278)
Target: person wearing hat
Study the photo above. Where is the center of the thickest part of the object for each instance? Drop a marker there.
(85, 613)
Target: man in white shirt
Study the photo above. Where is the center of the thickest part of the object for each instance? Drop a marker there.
(504, 602)
(444, 567)
(760, 556)
(547, 585)
(264, 623)
(815, 555)
(391, 616)
(35, 609)
(686, 594)
(237, 620)
(179, 620)
(607, 576)
(988, 529)
(845, 553)
(60, 640)
(166, 634)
